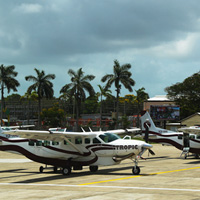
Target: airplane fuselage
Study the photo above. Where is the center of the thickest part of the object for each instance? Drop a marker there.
(84, 151)
(164, 136)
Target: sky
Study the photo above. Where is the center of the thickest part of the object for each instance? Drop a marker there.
(160, 39)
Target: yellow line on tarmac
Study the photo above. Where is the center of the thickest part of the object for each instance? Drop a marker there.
(119, 179)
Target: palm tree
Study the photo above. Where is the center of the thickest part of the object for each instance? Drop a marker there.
(43, 86)
(120, 75)
(106, 93)
(7, 80)
(29, 97)
(79, 84)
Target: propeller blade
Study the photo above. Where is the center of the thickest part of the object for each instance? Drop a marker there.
(152, 152)
(146, 136)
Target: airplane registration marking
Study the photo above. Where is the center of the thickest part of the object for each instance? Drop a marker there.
(130, 177)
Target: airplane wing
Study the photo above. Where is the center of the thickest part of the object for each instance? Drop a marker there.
(58, 136)
(49, 135)
(22, 126)
(121, 131)
(194, 130)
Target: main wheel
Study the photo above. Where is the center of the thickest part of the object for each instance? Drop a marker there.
(93, 168)
(136, 170)
(55, 169)
(41, 169)
(66, 171)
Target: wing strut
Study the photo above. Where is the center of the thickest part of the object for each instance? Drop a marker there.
(73, 145)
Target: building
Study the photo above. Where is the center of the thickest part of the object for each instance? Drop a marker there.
(192, 120)
(158, 100)
(161, 101)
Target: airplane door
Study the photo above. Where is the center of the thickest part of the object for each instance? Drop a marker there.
(186, 140)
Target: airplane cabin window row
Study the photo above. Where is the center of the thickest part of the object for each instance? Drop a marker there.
(78, 140)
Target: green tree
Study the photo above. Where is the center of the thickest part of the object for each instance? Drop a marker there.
(29, 97)
(7, 80)
(79, 84)
(186, 94)
(43, 86)
(68, 102)
(121, 75)
(91, 105)
(104, 92)
(125, 122)
(53, 116)
(13, 97)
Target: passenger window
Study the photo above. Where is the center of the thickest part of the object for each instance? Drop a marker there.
(78, 141)
(87, 140)
(198, 136)
(192, 136)
(96, 141)
(55, 143)
(38, 143)
(31, 143)
(46, 143)
(180, 137)
(65, 142)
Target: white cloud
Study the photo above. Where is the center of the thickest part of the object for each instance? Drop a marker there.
(28, 8)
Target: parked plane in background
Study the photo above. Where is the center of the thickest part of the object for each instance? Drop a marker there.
(181, 140)
(67, 150)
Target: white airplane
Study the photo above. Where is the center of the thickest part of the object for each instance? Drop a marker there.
(67, 150)
(181, 140)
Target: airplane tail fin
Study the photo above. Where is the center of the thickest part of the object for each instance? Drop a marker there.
(1, 130)
(147, 121)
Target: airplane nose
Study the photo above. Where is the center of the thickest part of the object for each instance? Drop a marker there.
(147, 146)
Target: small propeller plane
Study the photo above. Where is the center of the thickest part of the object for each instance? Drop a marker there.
(181, 140)
(73, 150)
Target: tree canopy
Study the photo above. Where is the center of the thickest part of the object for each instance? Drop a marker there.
(186, 94)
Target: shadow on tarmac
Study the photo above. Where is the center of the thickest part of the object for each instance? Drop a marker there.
(111, 171)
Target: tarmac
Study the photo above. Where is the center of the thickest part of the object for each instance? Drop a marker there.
(163, 176)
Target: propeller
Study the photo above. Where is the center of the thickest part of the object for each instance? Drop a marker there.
(152, 152)
(146, 138)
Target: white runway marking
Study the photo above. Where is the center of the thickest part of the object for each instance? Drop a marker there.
(113, 187)
(14, 160)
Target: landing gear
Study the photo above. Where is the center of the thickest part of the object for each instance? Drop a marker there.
(55, 169)
(136, 170)
(66, 171)
(41, 169)
(93, 168)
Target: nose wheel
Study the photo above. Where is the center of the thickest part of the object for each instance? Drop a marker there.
(136, 169)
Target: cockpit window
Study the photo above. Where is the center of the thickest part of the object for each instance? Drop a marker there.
(109, 137)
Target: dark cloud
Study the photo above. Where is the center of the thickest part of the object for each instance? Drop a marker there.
(90, 33)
